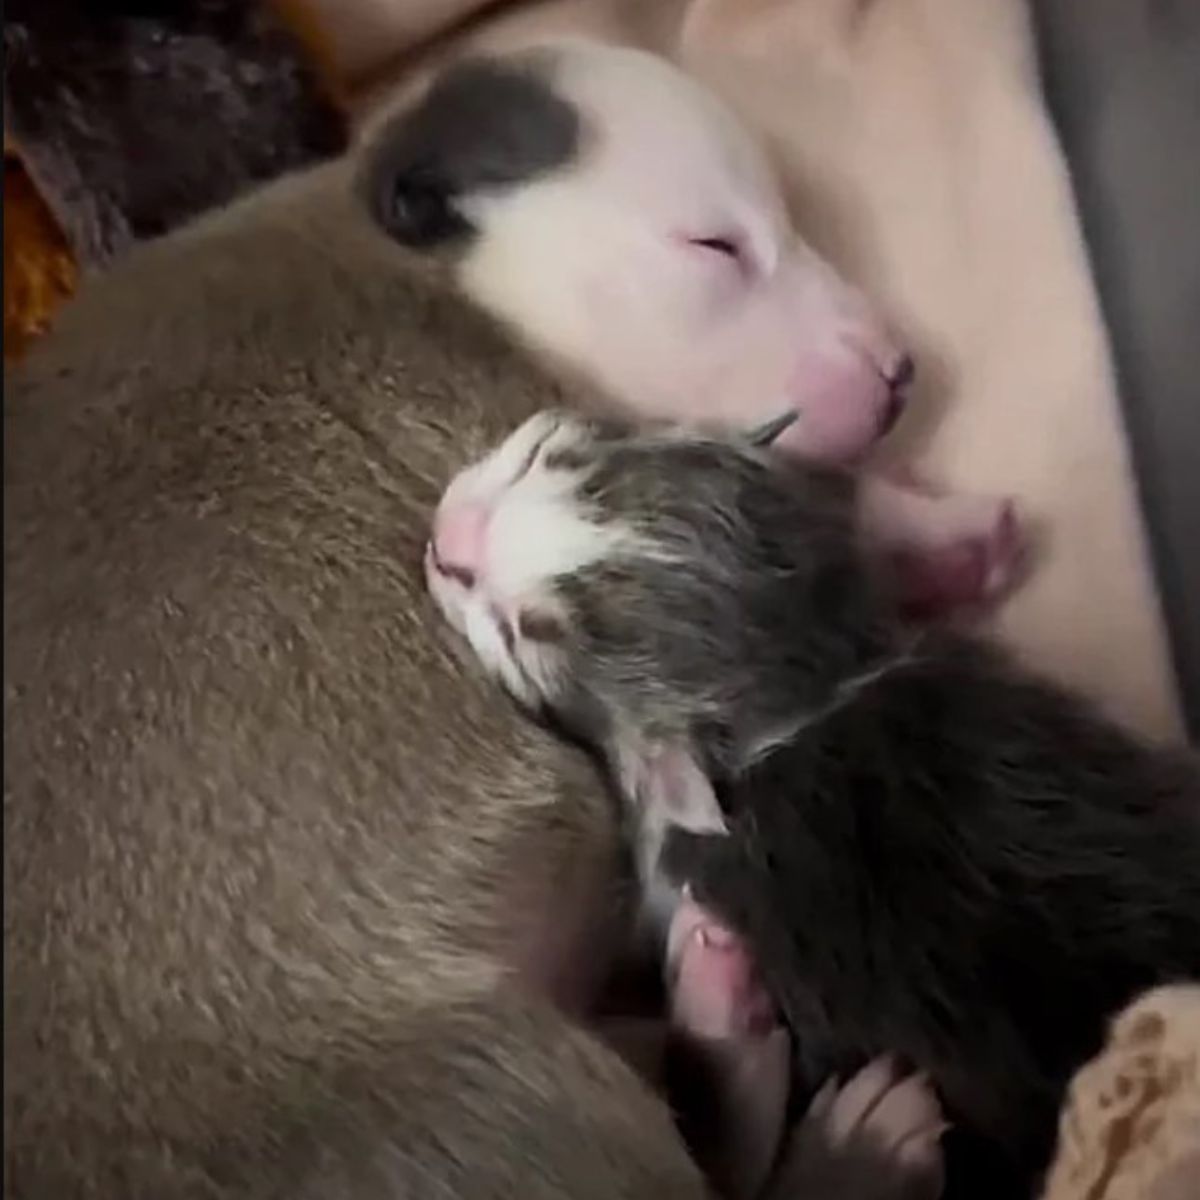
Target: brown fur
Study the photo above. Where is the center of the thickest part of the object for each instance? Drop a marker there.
(269, 847)
(39, 270)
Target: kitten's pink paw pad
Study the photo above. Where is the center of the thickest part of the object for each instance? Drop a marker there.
(715, 989)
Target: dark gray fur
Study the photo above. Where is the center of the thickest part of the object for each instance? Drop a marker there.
(484, 125)
(936, 853)
(134, 116)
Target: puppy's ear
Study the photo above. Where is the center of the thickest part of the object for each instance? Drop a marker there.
(484, 125)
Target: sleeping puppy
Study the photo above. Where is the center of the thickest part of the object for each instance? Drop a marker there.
(925, 850)
(618, 219)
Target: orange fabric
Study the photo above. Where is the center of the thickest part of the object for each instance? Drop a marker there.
(39, 269)
(305, 25)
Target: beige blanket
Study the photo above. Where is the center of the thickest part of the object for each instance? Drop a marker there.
(918, 155)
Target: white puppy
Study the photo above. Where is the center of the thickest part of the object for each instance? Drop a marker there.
(620, 220)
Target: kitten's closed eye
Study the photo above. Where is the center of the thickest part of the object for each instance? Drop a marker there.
(566, 459)
(543, 627)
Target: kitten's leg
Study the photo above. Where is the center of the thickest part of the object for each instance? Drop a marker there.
(731, 1057)
(876, 1138)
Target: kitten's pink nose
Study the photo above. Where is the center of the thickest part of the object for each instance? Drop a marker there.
(458, 538)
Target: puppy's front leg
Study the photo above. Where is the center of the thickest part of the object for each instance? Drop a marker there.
(947, 550)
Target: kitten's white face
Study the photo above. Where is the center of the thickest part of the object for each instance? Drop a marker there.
(512, 533)
(506, 528)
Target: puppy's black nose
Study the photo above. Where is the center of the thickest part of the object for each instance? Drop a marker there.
(902, 374)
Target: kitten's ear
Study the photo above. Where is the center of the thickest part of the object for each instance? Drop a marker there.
(668, 785)
(483, 125)
(766, 434)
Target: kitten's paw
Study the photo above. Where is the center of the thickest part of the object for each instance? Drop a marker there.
(876, 1137)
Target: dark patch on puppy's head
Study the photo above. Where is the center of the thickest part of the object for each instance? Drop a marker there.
(484, 125)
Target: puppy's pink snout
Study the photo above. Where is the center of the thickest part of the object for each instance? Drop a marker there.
(458, 542)
(896, 369)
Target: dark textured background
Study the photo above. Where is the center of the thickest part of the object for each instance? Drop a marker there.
(135, 115)
(1123, 80)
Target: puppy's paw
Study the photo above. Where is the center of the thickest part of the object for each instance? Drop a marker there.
(946, 551)
(876, 1137)
(972, 562)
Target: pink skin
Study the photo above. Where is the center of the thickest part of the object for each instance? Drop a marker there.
(849, 395)
(457, 546)
(844, 372)
(727, 1023)
(847, 376)
(715, 989)
(949, 552)
(830, 431)
(721, 1010)
(851, 387)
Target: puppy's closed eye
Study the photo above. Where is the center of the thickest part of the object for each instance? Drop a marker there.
(725, 246)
